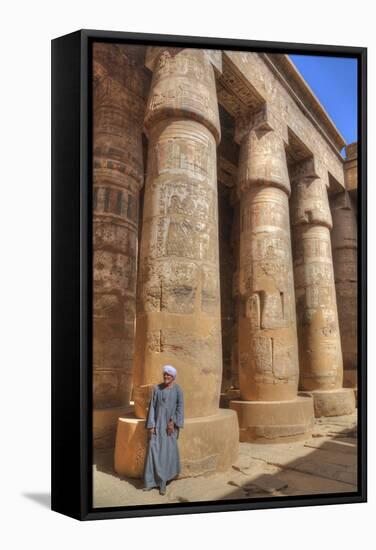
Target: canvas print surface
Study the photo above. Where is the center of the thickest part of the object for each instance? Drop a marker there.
(224, 276)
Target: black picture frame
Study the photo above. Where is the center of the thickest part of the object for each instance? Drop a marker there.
(72, 268)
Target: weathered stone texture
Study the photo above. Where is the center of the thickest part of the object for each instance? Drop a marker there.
(268, 348)
(219, 293)
(320, 351)
(320, 355)
(119, 99)
(259, 79)
(226, 262)
(179, 310)
(345, 260)
(179, 303)
(206, 445)
(235, 239)
(351, 167)
(267, 331)
(319, 341)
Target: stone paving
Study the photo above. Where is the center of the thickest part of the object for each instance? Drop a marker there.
(325, 463)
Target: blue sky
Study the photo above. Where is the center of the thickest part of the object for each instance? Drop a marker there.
(334, 82)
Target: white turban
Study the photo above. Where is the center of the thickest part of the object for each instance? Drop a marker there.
(170, 370)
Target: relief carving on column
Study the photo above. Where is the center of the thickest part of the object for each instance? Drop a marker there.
(268, 346)
(319, 339)
(119, 88)
(179, 290)
(345, 258)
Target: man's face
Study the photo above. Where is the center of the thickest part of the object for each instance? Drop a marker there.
(167, 378)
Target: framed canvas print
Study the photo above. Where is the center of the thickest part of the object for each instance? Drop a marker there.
(209, 275)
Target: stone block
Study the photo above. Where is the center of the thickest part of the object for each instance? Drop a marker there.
(274, 421)
(104, 426)
(206, 445)
(337, 402)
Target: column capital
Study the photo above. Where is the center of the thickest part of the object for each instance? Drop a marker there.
(183, 87)
(341, 201)
(307, 170)
(309, 195)
(153, 53)
(263, 120)
(344, 233)
(262, 159)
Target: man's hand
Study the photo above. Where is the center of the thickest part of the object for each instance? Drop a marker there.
(151, 432)
(170, 427)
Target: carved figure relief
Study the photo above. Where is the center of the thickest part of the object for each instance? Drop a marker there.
(262, 351)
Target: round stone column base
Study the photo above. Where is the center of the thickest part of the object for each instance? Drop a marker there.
(339, 402)
(206, 444)
(350, 378)
(227, 396)
(104, 426)
(275, 421)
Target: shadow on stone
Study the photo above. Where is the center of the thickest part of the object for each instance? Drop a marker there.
(104, 462)
(328, 466)
(322, 464)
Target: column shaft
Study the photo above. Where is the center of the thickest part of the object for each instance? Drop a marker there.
(345, 260)
(268, 349)
(178, 317)
(118, 177)
(320, 354)
(178, 311)
(235, 239)
(267, 336)
(319, 345)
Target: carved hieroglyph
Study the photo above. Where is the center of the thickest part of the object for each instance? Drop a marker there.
(253, 70)
(178, 309)
(119, 87)
(345, 258)
(320, 353)
(178, 317)
(268, 349)
(267, 336)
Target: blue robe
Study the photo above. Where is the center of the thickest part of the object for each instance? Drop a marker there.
(162, 460)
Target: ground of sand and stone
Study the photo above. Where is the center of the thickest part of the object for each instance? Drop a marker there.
(325, 463)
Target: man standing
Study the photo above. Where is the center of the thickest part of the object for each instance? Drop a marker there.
(165, 418)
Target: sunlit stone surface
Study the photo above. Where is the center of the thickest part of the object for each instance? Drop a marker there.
(224, 227)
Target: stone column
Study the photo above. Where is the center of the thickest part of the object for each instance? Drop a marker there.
(178, 316)
(320, 355)
(226, 262)
(345, 261)
(235, 239)
(269, 408)
(229, 258)
(118, 107)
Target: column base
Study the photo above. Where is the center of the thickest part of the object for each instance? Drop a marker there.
(104, 426)
(206, 444)
(275, 421)
(339, 402)
(350, 378)
(228, 396)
